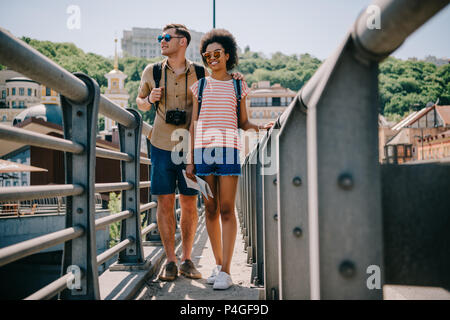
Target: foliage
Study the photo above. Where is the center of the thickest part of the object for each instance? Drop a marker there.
(409, 85)
(114, 206)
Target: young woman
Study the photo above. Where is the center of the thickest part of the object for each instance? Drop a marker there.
(215, 152)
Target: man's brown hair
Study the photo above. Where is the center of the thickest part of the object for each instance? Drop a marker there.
(181, 30)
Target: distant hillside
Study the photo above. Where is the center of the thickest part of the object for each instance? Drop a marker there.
(404, 85)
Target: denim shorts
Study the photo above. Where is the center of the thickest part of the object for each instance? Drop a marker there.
(218, 161)
(166, 176)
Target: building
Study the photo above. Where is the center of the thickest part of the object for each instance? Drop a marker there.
(115, 92)
(435, 147)
(17, 93)
(265, 103)
(143, 43)
(422, 135)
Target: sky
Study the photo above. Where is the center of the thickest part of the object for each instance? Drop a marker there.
(288, 26)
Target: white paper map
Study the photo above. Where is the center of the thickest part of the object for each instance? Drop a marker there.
(201, 185)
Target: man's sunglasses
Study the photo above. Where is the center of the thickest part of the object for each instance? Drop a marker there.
(216, 54)
(166, 37)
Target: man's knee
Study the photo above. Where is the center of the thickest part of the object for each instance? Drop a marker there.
(166, 204)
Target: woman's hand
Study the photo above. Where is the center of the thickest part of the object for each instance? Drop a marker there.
(190, 172)
(266, 126)
(237, 76)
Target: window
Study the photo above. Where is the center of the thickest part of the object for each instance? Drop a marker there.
(7, 91)
(48, 92)
(13, 91)
(21, 105)
(14, 104)
(29, 92)
(400, 151)
(35, 92)
(276, 101)
(21, 91)
(4, 119)
(3, 94)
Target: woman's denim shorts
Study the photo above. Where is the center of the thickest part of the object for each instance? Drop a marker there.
(218, 161)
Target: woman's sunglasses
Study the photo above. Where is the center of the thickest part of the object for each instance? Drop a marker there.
(166, 37)
(216, 54)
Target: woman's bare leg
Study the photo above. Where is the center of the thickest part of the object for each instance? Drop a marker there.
(212, 219)
(227, 195)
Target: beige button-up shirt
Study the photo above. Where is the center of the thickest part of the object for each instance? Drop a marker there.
(176, 94)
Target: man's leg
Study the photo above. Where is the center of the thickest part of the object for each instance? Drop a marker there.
(167, 224)
(189, 221)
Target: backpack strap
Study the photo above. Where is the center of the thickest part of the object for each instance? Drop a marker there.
(201, 87)
(199, 71)
(157, 71)
(238, 90)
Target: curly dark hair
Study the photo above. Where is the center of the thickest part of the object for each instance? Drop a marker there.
(226, 40)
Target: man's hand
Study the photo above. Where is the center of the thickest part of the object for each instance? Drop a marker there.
(155, 95)
(190, 172)
(237, 76)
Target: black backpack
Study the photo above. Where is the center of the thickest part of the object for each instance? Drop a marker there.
(157, 73)
(237, 88)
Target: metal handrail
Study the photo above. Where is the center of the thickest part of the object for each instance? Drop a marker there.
(21, 57)
(103, 222)
(39, 140)
(39, 192)
(105, 256)
(52, 289)
(23, 249)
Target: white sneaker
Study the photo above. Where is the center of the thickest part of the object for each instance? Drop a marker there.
(214, 274)
(223, 281)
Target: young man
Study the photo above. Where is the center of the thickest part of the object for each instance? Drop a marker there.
(177, 75)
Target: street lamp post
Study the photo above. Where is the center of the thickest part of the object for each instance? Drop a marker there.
(214, 14)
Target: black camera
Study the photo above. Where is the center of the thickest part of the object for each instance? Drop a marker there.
(176, 117)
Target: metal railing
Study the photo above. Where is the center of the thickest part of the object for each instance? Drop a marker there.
(81, 103)
(318, 212)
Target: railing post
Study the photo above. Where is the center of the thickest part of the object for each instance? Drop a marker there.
(292, 208)
(258, 261)
(80, 125)
(270, 215)
(130, 143)
(344, 178)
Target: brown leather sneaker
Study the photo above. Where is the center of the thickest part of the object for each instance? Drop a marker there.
(170, 272)
(188, 269)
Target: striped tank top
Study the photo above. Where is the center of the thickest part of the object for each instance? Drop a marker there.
(217, 123)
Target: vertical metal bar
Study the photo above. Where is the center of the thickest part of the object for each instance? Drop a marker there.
(259, 243)
(270, 217)
(130, 143)
(292, 194)
(344, 176)
(80, 126)
(214, 14)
